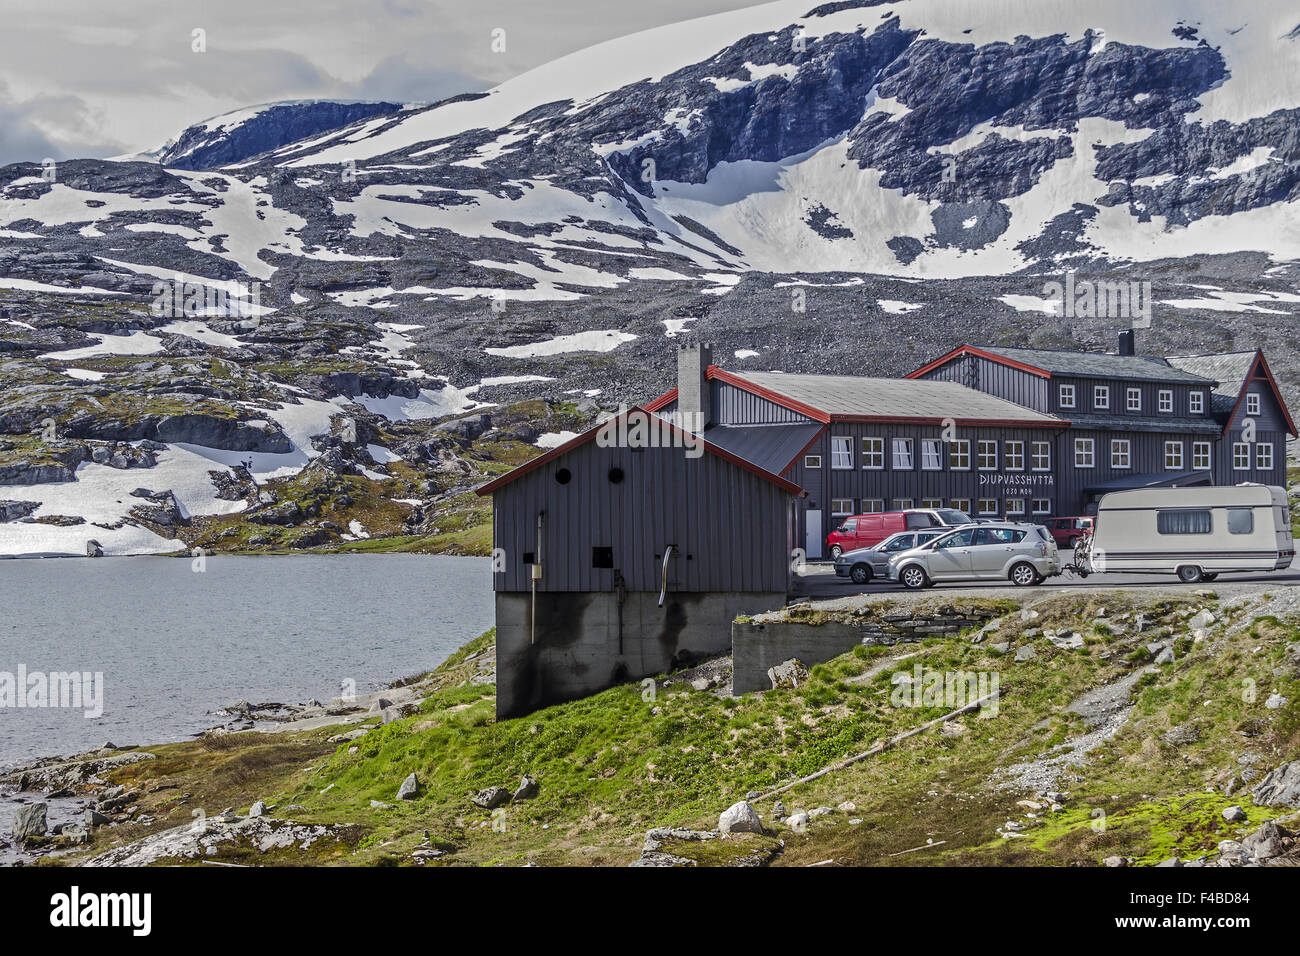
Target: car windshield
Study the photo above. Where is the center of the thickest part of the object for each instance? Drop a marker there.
(951, 516)
(900, 542)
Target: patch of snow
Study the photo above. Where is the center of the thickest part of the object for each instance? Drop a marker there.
(599, 340)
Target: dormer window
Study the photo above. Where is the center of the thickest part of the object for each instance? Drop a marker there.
(1196, 403)
(1166, 401)
(1252, 403)
(1134, 402)
(1101, 397)
(1067, 396)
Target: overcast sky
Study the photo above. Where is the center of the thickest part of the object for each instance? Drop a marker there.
(95, 78)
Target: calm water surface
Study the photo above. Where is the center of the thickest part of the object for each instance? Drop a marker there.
(174, 645)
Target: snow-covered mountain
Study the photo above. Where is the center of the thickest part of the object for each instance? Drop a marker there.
(865, 181)
(242, 134)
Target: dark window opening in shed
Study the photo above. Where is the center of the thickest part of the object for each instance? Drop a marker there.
(616, 476)
(564, 476)
(528, 558)
(602, 557)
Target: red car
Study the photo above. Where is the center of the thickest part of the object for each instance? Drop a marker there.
(1067, 531)
(866, 531)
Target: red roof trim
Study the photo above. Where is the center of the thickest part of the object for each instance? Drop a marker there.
(816, 414)
(974, 422)
(590, 435)
(1261, 363)
(972, 350)
(664, 400)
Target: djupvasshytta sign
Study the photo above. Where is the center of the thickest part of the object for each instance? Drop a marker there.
(1017, 480)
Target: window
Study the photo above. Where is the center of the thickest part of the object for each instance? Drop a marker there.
(1101, 396)
(1166, 404)
(1085, 450)
(1015, 456)
(1120, 453)
(1042, 456)
(873, 453)
(841, 507)
(1067, 396)
(902, 504)
(931, 455)
(1252, 403)
(812, 461)
(959, 454)
(958, 539)
(988, 506)
(1042, 506)
(1173, 456)
(873, 506)
(988, 455)
(841, 453)
(1134, 400)
(1183, 522)
(1264, 455)
(1240, 456)
(935, 503)
(1201, 455)
(1015, 507)
(1196, 403)
(903, 454)
(1241, 521)
(998, 536)
(961, 504)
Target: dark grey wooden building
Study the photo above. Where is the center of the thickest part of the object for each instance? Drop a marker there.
(630, 549)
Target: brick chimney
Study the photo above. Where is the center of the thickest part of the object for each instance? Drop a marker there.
(694, 405)
(1126, 342)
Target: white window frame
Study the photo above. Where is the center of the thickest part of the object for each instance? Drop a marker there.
(1018, 511)
(873, 506)
(841, 453)
(1046, 455)
(1165, 402)
(904, 504)
(961, 504)
(1241, 456)
(1101, 398)
(873, 453)
(986, 512)
(935, 503)
(1196, 403)
(837, 511)
(1263, 461)
(1015, 455)
(958, 452)
(1254, 405)
(1066, 396)
(1175, 446)
(1121, 453)
(1133, 399)
(1041, 506)
(1202, 451)
(981, 456)
(928, 445)
(812, 461)
(1085, 453)
(895, 446)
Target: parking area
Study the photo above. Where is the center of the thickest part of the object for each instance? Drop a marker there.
(819, 581)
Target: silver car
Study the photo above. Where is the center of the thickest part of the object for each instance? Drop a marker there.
(1024, 554)
(865, 564)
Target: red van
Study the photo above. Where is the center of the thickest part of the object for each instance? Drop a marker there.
(1067, 531)
(865, 531)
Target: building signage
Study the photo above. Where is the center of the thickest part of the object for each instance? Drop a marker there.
(1034, 480)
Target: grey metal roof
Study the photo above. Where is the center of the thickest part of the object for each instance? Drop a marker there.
(893, 397)
(1229, 370)
(1154, 479)
(771, 447)
(1100, 364)
(1127, 423)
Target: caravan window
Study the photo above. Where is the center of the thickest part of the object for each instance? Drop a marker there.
(1241, 521)
(1183, 522)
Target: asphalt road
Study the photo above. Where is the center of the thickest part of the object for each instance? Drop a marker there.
(819, 581)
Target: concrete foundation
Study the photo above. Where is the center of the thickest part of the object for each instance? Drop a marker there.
(584, 642)
(756, 647)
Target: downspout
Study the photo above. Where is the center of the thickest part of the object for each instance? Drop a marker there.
(536, 576)
(620, 589)
(663, 575)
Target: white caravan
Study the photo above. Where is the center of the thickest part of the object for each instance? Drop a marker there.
(1196, 533)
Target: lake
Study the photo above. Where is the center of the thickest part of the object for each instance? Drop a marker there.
(174, 644)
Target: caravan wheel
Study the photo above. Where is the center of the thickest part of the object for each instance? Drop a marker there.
(1188, 573)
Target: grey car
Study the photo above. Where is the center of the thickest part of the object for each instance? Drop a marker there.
(1023, 554)
(866, 564)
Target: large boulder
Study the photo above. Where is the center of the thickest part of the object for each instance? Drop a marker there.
(1280, 787)
(740, 817)
(491, 798)
(30, 820)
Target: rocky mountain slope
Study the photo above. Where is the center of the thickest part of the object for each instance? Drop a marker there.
(857, 185)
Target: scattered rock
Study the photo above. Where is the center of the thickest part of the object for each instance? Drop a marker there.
(1025, 652)
(1234, 814)
(740, 817)
(1280, 787)
(410, 788)
(788, 675)
(491, 798)
(527, 789)
(257, 809)
(29, 821)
